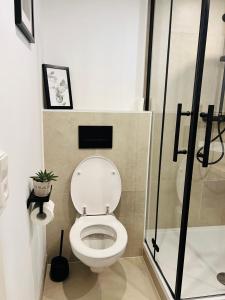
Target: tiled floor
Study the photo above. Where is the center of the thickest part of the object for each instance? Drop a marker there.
(128, 279)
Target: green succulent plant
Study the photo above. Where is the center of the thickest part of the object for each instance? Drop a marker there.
(44, 176)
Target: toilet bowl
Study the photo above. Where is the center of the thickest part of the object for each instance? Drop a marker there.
(97, 238)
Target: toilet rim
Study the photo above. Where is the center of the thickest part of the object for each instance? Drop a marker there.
(80, 247)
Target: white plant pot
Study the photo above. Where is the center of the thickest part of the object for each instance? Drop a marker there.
(42, 189)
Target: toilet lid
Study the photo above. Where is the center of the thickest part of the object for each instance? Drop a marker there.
(96, 185)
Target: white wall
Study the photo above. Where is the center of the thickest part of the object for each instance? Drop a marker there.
(22, 246)
(103, 43)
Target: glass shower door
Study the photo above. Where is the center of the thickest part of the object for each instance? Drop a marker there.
(178, 103)
(175, 104)
(188, 239)
(158, 70)
(204, 268)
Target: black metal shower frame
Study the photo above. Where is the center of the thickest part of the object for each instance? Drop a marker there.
(203, 30)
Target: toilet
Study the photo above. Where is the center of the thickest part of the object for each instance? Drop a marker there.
(97, 237)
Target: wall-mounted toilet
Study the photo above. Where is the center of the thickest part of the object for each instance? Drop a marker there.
(97, 238)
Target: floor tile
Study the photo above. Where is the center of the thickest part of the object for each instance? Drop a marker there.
(128, 279)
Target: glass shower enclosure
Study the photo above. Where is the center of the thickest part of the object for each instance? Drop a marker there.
(185, 221)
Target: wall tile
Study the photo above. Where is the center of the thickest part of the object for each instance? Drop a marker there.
(129, 153)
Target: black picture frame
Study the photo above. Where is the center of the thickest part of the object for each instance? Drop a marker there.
(20, 20)
(49, 103)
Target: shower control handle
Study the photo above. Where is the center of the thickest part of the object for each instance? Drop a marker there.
(176, 150)
(209, 122)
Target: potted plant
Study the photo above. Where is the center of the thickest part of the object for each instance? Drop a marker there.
(42, 182)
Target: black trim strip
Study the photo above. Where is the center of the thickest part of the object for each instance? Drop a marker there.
(163, 120)
(204, 297)
(191, 143)
(149, 59)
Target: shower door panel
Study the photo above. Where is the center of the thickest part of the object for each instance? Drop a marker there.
(177, 107)
(205, 244)
(158, 69)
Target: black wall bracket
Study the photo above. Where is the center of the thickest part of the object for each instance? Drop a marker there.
(39, 201)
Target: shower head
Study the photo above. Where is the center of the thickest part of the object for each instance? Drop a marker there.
(222, 58)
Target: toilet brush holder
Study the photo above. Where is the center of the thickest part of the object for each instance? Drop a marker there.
(59, 265)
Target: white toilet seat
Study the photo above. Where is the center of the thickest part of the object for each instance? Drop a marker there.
(104, 220)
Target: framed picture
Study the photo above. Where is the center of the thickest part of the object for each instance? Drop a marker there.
(57, 87)
(24, 18)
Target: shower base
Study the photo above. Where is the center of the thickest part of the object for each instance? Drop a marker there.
(204, 259)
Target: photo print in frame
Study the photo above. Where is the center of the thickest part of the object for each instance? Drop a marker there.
(57, 87)
(24, 18)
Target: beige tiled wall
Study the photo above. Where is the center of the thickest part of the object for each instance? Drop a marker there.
(129, 153)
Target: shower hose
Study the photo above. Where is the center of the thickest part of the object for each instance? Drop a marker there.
(218, 136)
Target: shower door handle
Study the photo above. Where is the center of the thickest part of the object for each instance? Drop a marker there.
(209, 122)
(176, 150)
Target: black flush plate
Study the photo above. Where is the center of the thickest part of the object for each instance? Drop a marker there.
(95, 137)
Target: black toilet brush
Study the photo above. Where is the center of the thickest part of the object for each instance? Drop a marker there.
(59, 265)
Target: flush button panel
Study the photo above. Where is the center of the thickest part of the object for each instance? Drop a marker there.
(95, 137)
